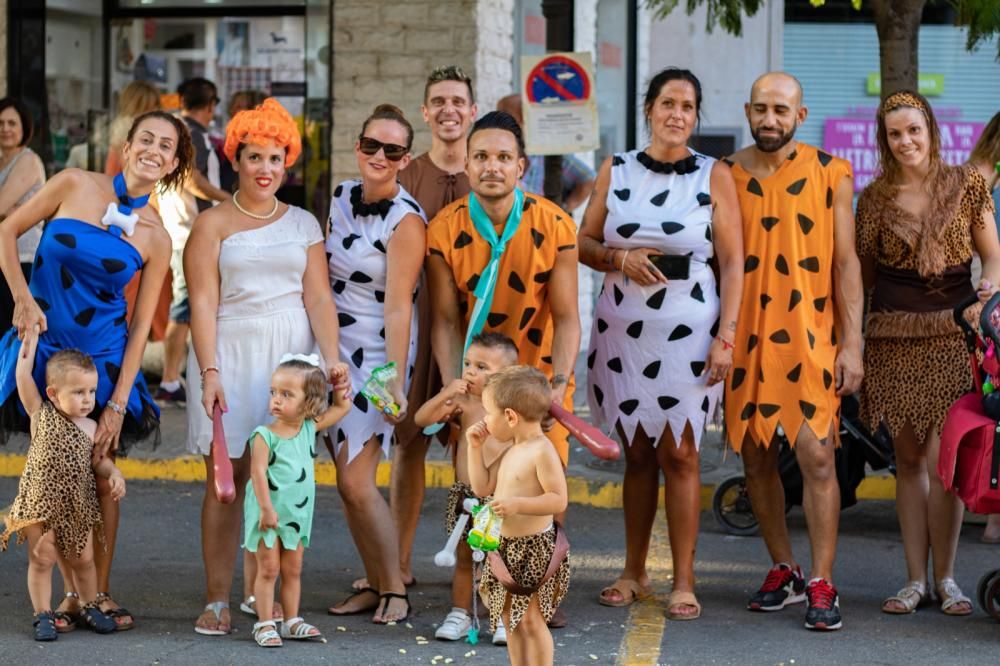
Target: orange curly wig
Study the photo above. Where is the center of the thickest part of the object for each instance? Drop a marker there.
(268, 123)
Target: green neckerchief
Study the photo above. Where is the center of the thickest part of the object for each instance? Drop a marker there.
(488, 278)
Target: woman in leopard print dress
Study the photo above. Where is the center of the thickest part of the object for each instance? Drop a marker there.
(917, 226)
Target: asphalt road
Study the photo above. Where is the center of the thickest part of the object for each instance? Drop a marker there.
(158, 576)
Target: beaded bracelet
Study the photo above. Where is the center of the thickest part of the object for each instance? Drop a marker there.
(115, 407)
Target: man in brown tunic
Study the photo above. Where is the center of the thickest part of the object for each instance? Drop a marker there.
(435, 179)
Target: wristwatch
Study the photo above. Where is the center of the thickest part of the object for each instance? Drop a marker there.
(558, 379)
(115, 407)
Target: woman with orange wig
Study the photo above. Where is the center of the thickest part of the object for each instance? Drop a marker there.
(258, 287)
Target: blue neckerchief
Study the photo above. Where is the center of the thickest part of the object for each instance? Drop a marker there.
(125, 202)
(488, 279)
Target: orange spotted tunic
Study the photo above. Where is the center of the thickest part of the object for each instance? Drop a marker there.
(520, 308)
(783, 363)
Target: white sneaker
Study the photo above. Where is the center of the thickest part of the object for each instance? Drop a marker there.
(455, 626)
(500, 635)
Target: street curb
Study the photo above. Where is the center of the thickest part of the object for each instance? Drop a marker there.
(438, 474)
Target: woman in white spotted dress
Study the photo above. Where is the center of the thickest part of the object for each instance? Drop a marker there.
(657, 356)
(376, 246)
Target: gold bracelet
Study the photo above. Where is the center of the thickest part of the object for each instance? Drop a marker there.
(210, 369)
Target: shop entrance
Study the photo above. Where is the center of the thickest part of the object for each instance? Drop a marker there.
(94, 48)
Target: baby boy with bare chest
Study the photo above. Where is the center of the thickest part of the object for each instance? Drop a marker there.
(526, 578)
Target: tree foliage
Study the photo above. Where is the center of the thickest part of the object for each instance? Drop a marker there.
(726, 13)
(980, 17)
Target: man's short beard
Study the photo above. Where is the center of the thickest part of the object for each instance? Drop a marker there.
(772, 145)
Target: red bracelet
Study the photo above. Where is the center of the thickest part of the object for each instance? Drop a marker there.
(726, 344)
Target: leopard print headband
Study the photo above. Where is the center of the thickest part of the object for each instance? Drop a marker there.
(901, 98)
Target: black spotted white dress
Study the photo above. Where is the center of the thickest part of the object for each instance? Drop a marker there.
(649, 345)
(357, 246)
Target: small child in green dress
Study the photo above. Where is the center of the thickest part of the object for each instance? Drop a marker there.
(278, 512)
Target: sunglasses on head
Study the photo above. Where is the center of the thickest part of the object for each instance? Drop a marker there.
(392, 151)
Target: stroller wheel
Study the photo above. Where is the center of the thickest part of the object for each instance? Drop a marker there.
(731, 507)
(989, 593)
(992, 596)
(983, 584)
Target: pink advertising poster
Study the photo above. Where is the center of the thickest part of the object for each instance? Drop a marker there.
(854, 140)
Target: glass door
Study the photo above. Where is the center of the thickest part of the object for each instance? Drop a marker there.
(316, 137)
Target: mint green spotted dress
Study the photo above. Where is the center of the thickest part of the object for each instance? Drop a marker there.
(291, 479)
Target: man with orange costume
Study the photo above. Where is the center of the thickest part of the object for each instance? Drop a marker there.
(802, 283)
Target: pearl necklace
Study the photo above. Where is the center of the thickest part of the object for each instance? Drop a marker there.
(236, 202)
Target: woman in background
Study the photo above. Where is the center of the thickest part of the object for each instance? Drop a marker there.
(21, 175)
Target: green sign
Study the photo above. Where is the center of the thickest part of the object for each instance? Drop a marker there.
(930, 85)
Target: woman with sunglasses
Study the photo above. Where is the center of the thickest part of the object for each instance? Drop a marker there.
(376, 247)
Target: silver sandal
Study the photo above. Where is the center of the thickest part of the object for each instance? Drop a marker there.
(216, 607)
(249, 607)
(910, 598)
(951, 596)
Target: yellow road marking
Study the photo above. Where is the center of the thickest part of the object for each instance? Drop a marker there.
(647, 619)
(439, 474)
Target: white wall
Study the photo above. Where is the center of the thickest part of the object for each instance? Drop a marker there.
(725, 65)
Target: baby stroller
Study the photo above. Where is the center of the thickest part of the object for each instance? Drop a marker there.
(731, 503)
(969, 462)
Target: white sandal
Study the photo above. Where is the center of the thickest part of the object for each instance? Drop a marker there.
(266, 635)
(298, 629)
(248, 606)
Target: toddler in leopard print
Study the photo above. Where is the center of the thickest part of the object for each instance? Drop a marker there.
(526, 578)
(56, 507)
(462, 402)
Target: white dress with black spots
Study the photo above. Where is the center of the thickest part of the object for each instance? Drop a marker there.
(356, 247)
(649, 344)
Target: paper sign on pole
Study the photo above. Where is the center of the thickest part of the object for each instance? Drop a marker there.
(560, 111)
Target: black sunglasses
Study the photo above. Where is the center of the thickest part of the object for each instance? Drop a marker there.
(392, 151)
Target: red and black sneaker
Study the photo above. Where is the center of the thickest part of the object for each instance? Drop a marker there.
(824, 606)
(783, 586)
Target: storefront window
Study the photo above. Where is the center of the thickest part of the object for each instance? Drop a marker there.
(529, 35)
(612, 66)
(260, 54)
(74, 80)
(191, 4)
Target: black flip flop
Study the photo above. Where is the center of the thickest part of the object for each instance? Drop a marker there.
(385, 602)
(330, 610)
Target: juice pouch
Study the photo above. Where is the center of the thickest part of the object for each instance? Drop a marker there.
(376, 389)
(485, 532)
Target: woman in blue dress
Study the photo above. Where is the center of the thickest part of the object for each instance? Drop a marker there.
(100, 232)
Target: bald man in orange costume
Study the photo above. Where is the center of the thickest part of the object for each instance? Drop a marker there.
(802, 281)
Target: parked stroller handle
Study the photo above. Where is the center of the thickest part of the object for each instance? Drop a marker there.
(967, 330)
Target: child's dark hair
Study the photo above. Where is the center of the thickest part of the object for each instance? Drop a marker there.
(494, 340)
(523, 389)
(65, 360)
(389, 112)
(313, 385)
(502, 121)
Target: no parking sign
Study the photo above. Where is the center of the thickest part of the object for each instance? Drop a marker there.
(560, 112)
